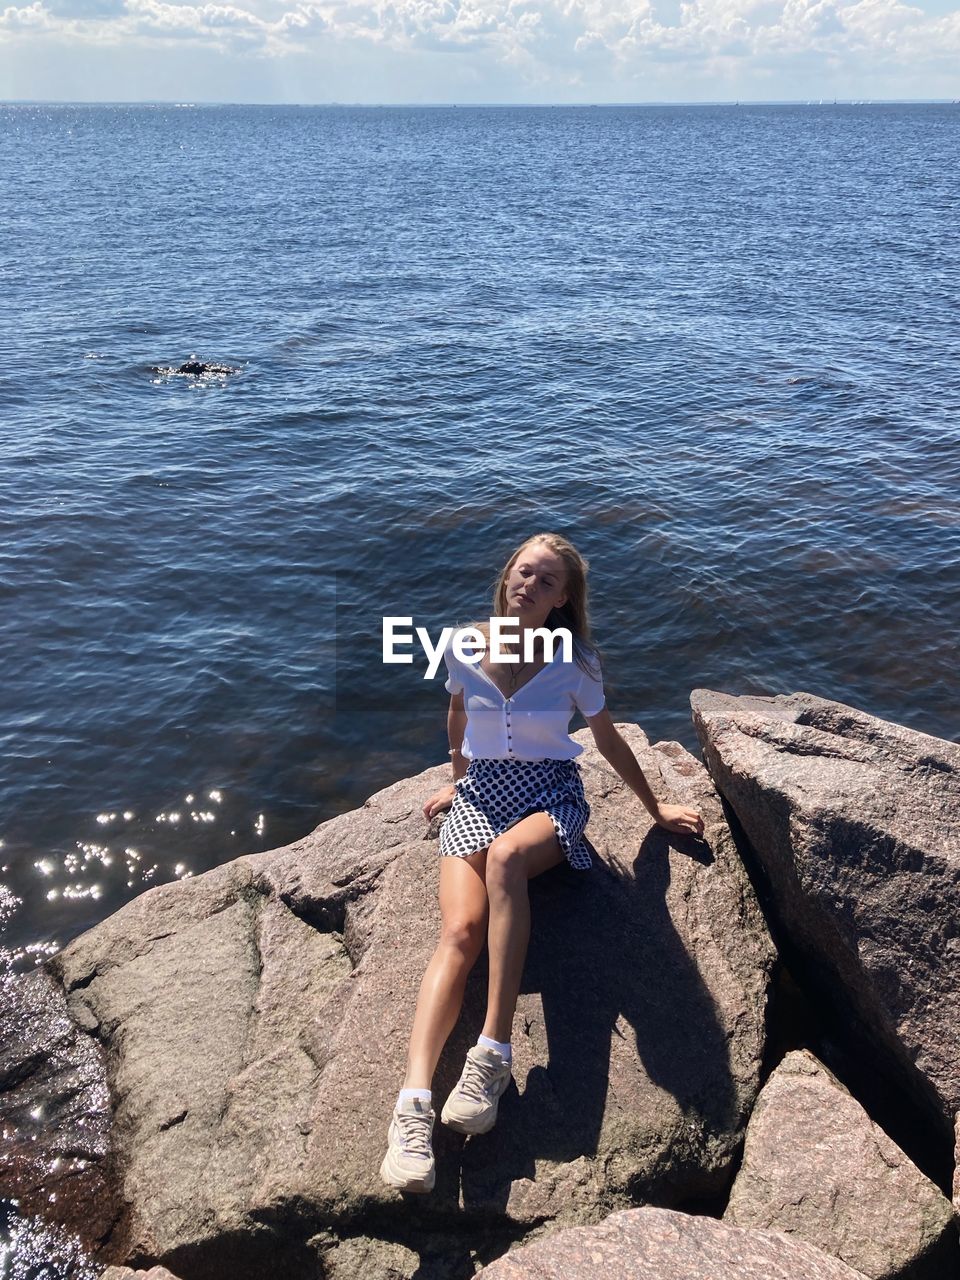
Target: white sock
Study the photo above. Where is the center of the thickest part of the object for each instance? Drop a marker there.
(503, 1049)
(406, 1094)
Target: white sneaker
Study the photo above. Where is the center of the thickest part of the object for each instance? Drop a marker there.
(472, 1106)
(409, 1164)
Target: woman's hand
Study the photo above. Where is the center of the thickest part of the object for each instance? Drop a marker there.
(680, 818)
(439, 801)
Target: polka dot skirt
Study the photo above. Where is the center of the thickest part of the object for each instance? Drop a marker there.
(495, 794)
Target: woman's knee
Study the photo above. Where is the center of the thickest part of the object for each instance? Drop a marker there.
(463, 934)
(506, 862)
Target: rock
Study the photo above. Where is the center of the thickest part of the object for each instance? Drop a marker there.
(661, 1244)
(196, 368)
(32, 1248)
(364, 1258)
(54, 1112)
(125, 1273)
(856, 824)
(256, 1021)
(816, 1167)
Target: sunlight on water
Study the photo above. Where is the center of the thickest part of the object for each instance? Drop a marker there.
(129, 854)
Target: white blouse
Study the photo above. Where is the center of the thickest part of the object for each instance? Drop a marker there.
(533, 723)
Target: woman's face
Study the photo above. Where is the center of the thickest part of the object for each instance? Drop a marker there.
(535, 584)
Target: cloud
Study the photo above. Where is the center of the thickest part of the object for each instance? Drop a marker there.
(539, 39)
(194, 21)
(32, 17)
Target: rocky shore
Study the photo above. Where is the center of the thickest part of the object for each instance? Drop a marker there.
(735, 1057)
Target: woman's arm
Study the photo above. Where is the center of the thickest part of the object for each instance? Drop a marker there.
(615, 749)
(456, 728)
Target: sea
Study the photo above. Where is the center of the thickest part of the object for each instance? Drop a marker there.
(717, 347)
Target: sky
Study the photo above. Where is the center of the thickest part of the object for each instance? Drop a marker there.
(475, 51)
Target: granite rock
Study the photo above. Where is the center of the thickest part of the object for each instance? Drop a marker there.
(55, 1114)
(661, 1244)
(855, 824)
(127, 1273)
(816, 1167)
(255, 1021)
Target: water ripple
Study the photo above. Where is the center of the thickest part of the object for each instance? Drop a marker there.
(718, 350)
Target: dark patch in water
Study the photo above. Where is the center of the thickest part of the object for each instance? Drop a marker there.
(196, 369)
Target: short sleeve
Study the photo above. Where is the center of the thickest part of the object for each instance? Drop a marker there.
(588, 694)
(454, 681)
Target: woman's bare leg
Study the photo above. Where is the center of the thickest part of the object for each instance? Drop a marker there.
(522, 852)
(463, 914)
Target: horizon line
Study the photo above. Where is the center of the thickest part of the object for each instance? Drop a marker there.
(830, 100)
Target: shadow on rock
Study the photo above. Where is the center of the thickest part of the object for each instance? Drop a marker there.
(610, 968)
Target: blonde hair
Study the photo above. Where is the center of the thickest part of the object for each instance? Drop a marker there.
(573, 613)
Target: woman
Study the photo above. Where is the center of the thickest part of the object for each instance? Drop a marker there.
(518, 808)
